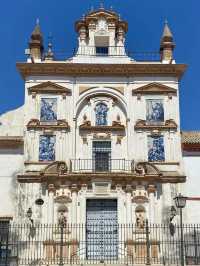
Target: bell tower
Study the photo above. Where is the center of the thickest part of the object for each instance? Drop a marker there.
(101, 33)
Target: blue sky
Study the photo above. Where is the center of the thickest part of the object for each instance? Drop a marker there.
(145, 18)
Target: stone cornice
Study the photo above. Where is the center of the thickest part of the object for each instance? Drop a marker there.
(154, 88)
(36, 177)
(11, 141)
(167, 125)
(58, 172)
(116, 126)
(122, 70)
(38, 125)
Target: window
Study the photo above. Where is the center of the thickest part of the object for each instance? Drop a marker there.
(47, 148)
(155, 111)
(48, 111)
(101, 50)
(156, 148)
(101, 156)
(101, 114)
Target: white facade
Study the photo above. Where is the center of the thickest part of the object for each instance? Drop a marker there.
(143, 186)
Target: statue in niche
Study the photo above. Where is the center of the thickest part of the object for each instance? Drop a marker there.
(62, 215)
(62, 219)
(140, 217)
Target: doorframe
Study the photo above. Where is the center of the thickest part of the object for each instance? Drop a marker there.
(117, 208)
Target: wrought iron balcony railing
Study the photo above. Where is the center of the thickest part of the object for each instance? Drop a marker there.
(101, 51)
(80, 244)
(101, 165)
(112, 51)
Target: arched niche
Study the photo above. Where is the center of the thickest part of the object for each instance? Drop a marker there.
(87, 103)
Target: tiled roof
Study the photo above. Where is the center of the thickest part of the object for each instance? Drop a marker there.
(190, 137)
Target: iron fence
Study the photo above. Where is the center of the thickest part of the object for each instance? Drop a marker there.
(92, 51)
(68, 244)
(101, 165)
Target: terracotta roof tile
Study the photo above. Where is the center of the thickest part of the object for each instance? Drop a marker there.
(190, 137)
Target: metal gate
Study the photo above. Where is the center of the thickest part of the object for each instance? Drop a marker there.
(102, 229)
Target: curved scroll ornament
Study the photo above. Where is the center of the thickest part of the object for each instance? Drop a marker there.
(58, 168)
(145, 168)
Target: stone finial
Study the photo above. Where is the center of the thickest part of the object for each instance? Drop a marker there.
(167, 44)
(49, 55)
(101, 5)
(36, 42)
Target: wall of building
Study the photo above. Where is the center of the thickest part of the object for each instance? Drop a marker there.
(191, 188)
(11, 163)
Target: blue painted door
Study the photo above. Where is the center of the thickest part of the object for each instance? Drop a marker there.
(102, 229)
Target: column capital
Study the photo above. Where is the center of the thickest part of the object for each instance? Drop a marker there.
(128, 188)
(151, 188)
(51, 188)
(74, 188)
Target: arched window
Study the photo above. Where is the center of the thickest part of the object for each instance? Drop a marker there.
(101, 114)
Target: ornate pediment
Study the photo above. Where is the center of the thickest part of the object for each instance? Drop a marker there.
(102, 13)
(169, 124)
(49, 87)
(110, 16)
(154, 88)
(57, 125)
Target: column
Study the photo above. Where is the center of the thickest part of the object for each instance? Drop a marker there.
(128, 204)
(74, 190)
(166, 201)
(151, 191)
(50, 216)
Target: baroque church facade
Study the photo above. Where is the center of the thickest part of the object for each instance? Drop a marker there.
(98, 138)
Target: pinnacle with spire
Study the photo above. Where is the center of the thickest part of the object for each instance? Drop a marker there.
(167, 34)
(167, 44)
(36, 42)
(37, 34)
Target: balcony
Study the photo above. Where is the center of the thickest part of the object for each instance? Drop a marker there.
(101, 165)
(100, 244)
(116, 51)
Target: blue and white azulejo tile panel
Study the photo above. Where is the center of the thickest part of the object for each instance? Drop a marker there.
(101, 114)
(156, 151)
(47, 148)
(155, 111)
(48, 111)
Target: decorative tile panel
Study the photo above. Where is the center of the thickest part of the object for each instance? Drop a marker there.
(156, 150)
(48, 111)
(47, 148)
(101, 114)
(155, 111)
